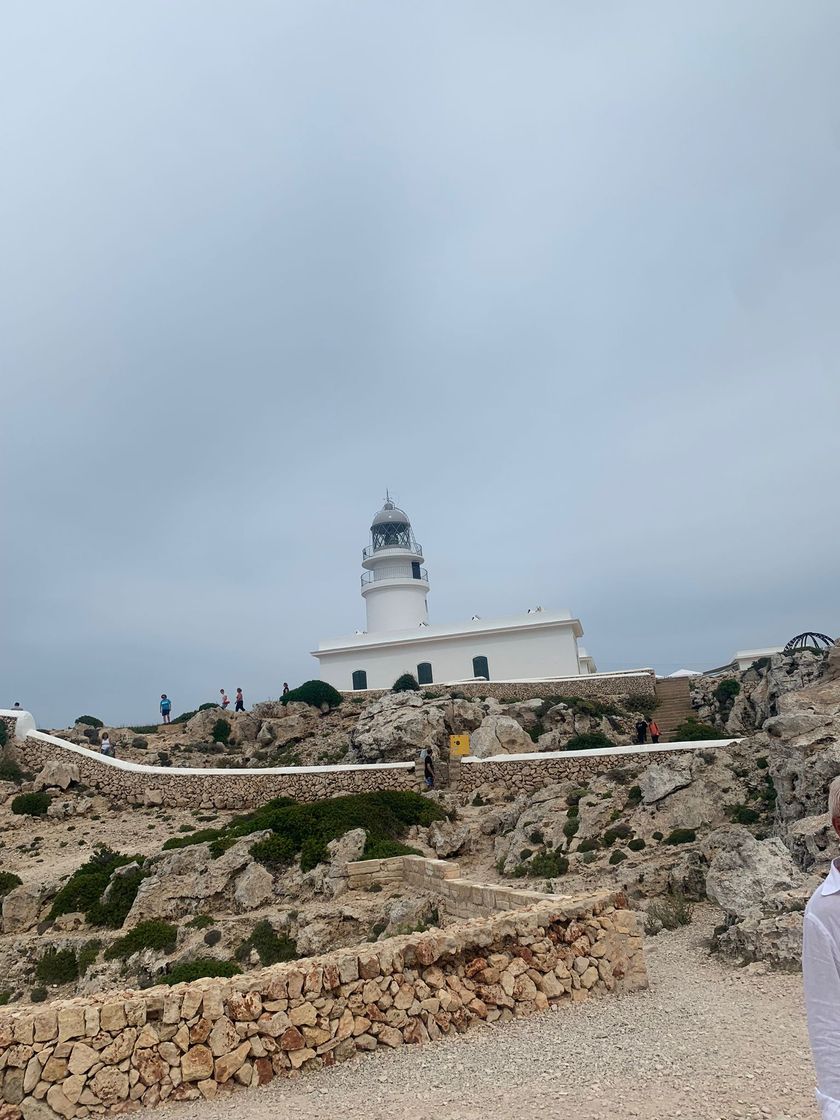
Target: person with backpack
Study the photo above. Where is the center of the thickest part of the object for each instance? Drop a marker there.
(239, 706)
(165, 707)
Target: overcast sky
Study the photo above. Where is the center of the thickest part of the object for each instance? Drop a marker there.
(563, 276)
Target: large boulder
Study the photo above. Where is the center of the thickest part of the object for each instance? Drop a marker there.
(398, 726)
(744, 872)
(56, 772)
(663, 778)
(253, 888)
(22, 907)
(500, 735)
(448, 837)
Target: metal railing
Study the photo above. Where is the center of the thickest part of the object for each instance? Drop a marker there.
(382, 574)
(383, 550)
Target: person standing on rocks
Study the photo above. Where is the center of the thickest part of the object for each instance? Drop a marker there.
(429, 770)
(653, 728)
(239, 706)
(285, 687)
(225, 700)
(821, 975)
(165, 707)
(641, 730)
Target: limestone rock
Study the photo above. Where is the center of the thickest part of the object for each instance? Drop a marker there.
(398, 726)
(448, 837)
(21, 908)
(57, 773)
(197, 1064)
(662, 778)
(253, 887)
(500, 735)
(744, 871)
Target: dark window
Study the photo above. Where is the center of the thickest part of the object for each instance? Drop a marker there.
(360, 679)
(480, 668)
(424, 673)
(415, 569)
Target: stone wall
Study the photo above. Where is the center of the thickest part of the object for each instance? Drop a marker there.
(526, 773)
(607, 686)
(135, 783)
(120, 1051)
(460, 898)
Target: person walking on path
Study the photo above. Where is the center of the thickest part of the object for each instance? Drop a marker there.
(821, 975)
(641, 730)
(239, 706)
(653, 728)
(225, 701)
(165, 707)
(429, 770)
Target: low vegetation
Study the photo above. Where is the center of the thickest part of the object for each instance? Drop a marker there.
(31, 804)
(668, 912)
(9, 769)
(405, 683)
(221, 731)
(588, 741)
(91, 889)
(90, 721)
(271, 947)
(145, 935)
(198, 969)
(8, 882)
(314, 693)
(693, 731)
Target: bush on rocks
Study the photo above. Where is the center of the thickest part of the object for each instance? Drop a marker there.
(546, 865)
(221, 731)
(726, 692)
(271, 947)
(85, 888)
(31, 804)
(91, 721)
(668, 912)
(618, 856)
(4, 733)
(636, 844)
(405, 683)
(693, 731)
(9, 769)
(588, 845)
(38, 995)
(617, 832)
(314, 693)
(743, 814)
(589, 741)
(8, 882)
(57, 966)
(681, 836)
(145, 935)
(212, 937)
(198, 969)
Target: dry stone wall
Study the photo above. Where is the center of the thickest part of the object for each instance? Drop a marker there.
(613, 686)
(221, 789)
(121, 1051)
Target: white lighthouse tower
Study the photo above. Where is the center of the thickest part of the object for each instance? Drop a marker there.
(395, 583)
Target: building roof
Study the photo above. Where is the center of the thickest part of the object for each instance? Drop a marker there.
(390, 513)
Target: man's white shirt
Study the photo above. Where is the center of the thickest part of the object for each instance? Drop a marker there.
(821, 976)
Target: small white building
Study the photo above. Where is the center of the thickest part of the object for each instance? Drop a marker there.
(398, 638)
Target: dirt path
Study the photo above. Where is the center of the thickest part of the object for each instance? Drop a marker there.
(706, 1042)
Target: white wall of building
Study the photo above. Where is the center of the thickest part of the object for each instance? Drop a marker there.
(513, 651)
(397, 605)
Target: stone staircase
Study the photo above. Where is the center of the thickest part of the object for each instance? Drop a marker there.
(674, 706)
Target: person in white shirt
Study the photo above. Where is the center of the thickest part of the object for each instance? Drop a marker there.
(821, 975)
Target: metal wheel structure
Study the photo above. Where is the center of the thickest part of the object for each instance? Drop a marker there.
(809, 640)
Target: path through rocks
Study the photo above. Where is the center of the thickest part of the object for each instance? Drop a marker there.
(707, 1042)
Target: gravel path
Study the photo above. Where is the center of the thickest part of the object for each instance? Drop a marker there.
(706, 1042)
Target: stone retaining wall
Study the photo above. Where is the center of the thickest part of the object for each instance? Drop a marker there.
(120, 1051)
(460, 898)
(613, 686)
(527, 773)
(134, 783)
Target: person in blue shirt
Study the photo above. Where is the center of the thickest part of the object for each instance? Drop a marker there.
(165, 707)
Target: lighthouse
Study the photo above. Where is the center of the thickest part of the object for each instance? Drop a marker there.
(395, 583)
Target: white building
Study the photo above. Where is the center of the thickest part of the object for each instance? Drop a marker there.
(398, 638)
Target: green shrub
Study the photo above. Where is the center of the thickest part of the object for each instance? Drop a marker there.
(588, 741)
(87, 955)
(478, 799)
(546, 865)
(589, 856)
(590, 845)
(617, 832)
(726, 692)
(636, 844)
(617, 856)
(113, 910)
(185, 717)
(405, 683)
(200, 921)
(206, 707)
(658, 836)
(38, 995)
(742, 814)
(761, 763)
(4, 733)
(693, 731)
(85, 887)
(198, 969)
(525, 854)
(271, 947)
(681, 836)
(634, 795)
(309, 827)
(315, 694)
(575, 796)
(57, 966)
(761, 664)
(274, 851)
(536, 836)
(91, 721)
(145, 729)
(571, 826)
(31, 804)
(8, 882)
(581, 705)
(221, 731)
(5, 996)
(212, 937)
(200, 836)
(145, 935)
(670, 911)
(9, 769)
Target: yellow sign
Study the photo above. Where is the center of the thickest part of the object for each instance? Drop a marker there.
(459, 745)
